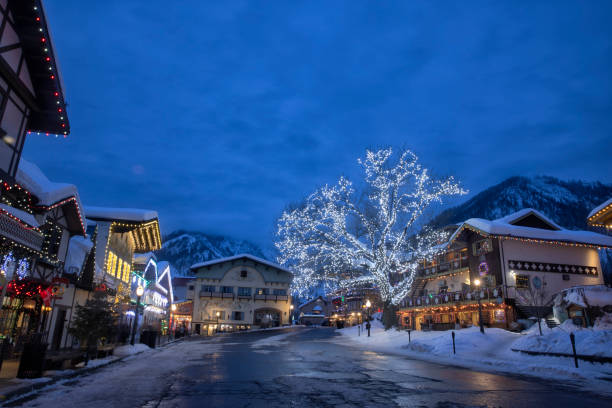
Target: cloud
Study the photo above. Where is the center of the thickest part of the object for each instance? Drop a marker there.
(217, 114)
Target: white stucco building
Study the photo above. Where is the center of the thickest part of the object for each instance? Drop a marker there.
(238, 293)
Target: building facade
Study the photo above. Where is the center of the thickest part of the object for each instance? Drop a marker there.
(239, 293)
(512, 266)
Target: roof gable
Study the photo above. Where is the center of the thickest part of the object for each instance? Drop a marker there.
(528, 217)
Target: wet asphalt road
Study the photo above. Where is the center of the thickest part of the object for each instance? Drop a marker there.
(308, 368)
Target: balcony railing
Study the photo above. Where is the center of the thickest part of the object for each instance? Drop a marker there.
(444, 268)
(485, 294)
(210, 294)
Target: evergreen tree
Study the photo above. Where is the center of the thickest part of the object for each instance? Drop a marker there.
(95, 320)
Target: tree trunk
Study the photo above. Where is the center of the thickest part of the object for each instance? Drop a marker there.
(539, 321)
(389, 316)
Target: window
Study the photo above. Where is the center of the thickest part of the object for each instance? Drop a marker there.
(221, 314)
(190, 287)
(208, 288)
(228, 289)
(279, 292)
(110, 263)
(119, 269)
(243, 274)
(126, 272)
(522, 281)
(261, 291)
(237, 315)
(244, 291)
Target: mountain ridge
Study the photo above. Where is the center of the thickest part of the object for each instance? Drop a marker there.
(566, 202)
(183, 248)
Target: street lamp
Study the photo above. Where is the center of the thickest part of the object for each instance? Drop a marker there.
(217, 328)
(172, 323)
(291, 314)
(368, 305)
(139, 293)
(477, 283)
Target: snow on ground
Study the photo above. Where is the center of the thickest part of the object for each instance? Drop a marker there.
(128, 349)
(492, 351)
(138, 378)
(273, 341)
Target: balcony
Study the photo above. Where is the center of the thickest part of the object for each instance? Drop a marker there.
(444, 268)
(454, 298)
(274, 298)
(211, 294)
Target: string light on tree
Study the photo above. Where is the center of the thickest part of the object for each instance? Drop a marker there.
(339, 237)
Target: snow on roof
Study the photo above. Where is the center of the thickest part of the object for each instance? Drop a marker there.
(120, 214)
(30, 177)
(143, 258)
(599, 208)
(22, 215)
(240, 256)
(78, 248)
(518, 215)
(503, 228)
(588, 295)
(312, 300)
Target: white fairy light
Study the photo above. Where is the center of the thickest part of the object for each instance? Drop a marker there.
(339, 238)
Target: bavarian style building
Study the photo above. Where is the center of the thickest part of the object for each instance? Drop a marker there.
(238, 293)
(512, 266)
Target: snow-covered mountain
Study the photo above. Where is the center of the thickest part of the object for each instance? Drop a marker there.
(566, 202)
(185, 248)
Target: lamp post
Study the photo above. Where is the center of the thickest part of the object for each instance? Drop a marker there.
(172, 323)
(139, 293)
(368, 305)
(477, 283)
(291, 314)
(217, 327)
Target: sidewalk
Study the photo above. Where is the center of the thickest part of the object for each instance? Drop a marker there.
(11, 388)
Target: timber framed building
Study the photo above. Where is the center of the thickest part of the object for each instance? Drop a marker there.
(511, 257)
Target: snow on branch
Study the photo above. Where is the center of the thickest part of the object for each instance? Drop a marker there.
(344, 238)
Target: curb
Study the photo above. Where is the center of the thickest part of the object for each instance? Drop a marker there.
(13, 396)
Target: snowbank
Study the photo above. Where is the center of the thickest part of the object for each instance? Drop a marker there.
(127, 350)
(588, 296)
(592, 341)
(493, 350)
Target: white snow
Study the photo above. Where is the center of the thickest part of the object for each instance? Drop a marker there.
(22, 215)
(239, 256)
(586, 296)
(593, 341)
(599, 208)
(501, 227)
(493, 350)
(30, 177)
(120, 214)
(135, 380)
(128, 349)
(78, 248)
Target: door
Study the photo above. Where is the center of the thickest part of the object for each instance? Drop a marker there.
(59, 329)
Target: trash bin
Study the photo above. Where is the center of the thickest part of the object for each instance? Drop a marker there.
(148, 337)
(32, 360)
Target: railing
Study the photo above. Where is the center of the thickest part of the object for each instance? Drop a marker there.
(454, 297)
(211, 294)
(444, 268)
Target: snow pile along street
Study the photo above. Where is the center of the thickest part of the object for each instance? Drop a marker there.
(493, 350)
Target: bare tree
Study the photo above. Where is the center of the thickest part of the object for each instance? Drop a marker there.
(535, 295)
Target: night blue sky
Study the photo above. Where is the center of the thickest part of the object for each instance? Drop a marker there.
(217, 114)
